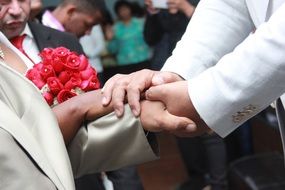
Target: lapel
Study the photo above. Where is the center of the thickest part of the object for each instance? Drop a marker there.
(43, 37)
(36, 128)
(257, 10)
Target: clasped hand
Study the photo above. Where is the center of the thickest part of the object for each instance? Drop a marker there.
(160, 99)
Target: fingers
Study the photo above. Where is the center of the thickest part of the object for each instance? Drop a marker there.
(165, 77)
(156, 118)
(118, 97)
(156, 93)
(141, 81)
(172, 123)
(134, 100)
(131, 86)
(108, 88)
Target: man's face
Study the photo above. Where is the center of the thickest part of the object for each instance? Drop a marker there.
(15, 16)
(81, 23)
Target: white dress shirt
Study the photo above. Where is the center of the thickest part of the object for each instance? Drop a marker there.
(49, 20)
(93, 45)
(30, 46)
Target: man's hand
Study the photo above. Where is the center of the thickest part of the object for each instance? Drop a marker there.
(177, 101)
(132, 87)
(149, 7)
(180, 5)
(155, 118)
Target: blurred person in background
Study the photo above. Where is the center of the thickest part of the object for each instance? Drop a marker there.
(164, 27)
(36, 7)
(76, 17)
(93, 45)
(125, 40)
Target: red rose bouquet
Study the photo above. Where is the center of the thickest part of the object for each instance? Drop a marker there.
(62, 74)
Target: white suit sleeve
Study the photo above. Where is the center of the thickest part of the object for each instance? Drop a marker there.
(245, 81)
(216, 27)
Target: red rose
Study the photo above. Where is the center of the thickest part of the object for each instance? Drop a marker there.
(38, 66)
(47, 71)
(35, 76)
(39, 83)
(48, 97)
(57, 65)
(91, 84)
(63, 73)
(73, 83)
(64, 76)
(64, 95)
(54, 85)
(72, 62)
(87, 73)
(47, 56)
(83, 62)
(61, 53)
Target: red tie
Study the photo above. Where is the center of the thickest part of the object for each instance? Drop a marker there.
(18, 43)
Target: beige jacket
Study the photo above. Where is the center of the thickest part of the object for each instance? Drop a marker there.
(105, 144)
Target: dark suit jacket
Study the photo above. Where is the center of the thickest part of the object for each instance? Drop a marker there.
(48, 37)
(162, 31)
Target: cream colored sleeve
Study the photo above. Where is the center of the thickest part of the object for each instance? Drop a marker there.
(109, 143)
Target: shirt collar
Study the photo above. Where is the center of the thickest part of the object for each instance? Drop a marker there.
(27, 31)
(49, 20)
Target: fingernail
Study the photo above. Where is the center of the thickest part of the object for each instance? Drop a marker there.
(118, 112)
(102, 90)
(135, 112)
(191, 127)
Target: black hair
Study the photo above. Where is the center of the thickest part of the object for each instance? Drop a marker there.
(122, 3)
(86, 5)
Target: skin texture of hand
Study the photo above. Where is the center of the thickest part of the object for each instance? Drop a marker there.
(177, 101)
(73, 112)
(155, 118)
(132, 87)
(181, 5)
